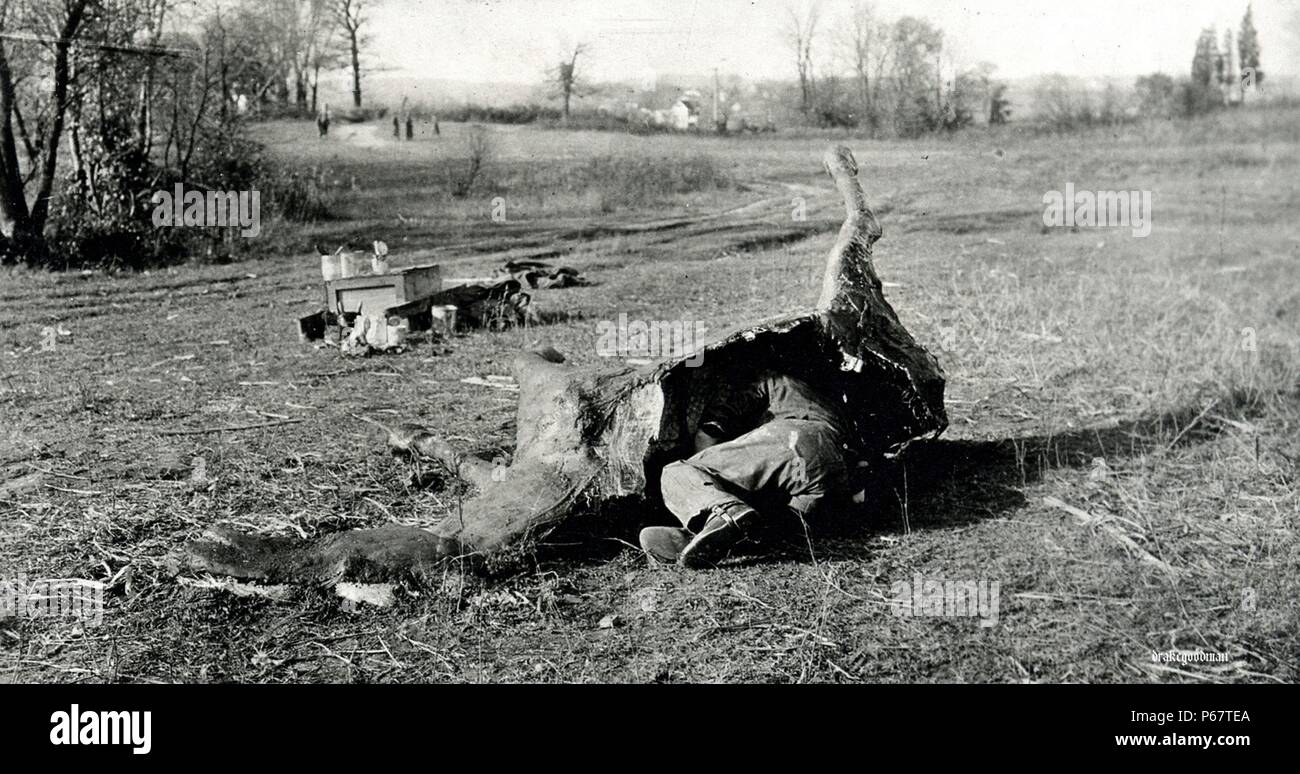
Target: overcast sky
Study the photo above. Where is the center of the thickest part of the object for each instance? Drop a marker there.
(515, 40)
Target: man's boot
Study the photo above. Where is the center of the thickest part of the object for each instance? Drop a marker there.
(726, 526)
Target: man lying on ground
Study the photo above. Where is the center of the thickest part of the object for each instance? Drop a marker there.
(770, 446)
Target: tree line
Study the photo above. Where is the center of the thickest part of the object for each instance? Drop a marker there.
(139, 99)
(1224, 69)
(885, 75)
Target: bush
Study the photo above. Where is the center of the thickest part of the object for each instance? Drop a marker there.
(607, 122)
(625, 180)
(478, 151)
(513, 114)
(294, 196)
(1194, 99)
(359, 115)
(1157, 96)
(551, 118)
(1065, 104)
(836, 117)
(114, 228)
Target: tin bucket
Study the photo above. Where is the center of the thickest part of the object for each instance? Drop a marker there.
(444, 318)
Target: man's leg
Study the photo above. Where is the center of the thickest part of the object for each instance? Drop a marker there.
(690, 493)
(788, 461)
(698, 499)
(785, 463)
(819, 476)
(708, 495)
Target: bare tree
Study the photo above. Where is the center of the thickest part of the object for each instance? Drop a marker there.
(566, 76)
(800, 31)
(867, 49)
(239, 48)
(915, 47)
(350, 15)
(322, 53)
(114, 93)
(478, 152)
(305, 45)
(59, 24)
(1063, 102)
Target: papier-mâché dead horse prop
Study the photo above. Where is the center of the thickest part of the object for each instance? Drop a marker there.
(589, 440)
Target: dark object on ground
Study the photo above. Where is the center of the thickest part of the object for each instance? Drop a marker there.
(312, 327)
(494, 306)
(539, 275)
(591, 440)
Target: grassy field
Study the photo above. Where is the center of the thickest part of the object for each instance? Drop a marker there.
(1122, 457)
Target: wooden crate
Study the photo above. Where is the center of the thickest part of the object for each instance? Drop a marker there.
(372, 294)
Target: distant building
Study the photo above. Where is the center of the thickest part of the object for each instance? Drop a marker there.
(683, 115)
(679, 116)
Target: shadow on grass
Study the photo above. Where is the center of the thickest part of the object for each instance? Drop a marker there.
(945, 484)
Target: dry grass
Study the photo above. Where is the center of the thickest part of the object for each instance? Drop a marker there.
(1117, 461)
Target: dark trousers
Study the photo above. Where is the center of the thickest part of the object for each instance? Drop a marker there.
(785, 463)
